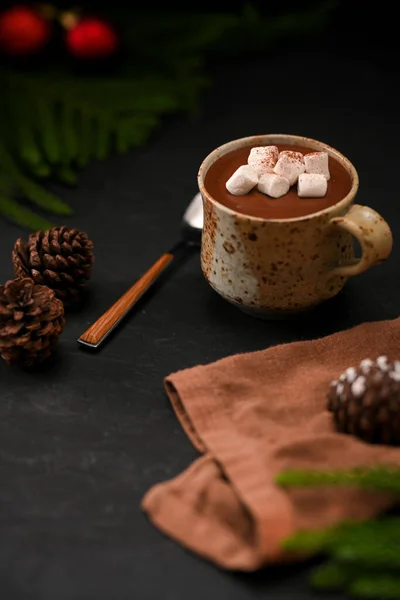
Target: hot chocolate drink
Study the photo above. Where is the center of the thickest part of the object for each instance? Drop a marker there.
(257, 204)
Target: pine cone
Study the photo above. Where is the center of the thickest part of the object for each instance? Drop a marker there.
(60, 258)
(31, 321)
(365, 401)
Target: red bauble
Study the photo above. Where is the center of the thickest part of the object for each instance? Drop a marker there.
(22, 31)
(92, 38)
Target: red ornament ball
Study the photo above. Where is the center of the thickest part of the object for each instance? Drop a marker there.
(23, 31)
(92, 38)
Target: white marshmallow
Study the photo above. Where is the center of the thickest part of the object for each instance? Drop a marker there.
(242, 181)
(263, 159)
(290, 165)
(273, 185)
(317, 162)
(312, 185)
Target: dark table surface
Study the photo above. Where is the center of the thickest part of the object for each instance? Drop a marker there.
(83, 439)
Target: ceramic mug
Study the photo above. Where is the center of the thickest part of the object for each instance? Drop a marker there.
(272, 267)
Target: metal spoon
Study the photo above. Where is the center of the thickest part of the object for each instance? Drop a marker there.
(191, 227)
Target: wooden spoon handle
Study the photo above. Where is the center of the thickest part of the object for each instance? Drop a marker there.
(101, 328)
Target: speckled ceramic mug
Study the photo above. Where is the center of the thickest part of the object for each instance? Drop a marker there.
(272, 267)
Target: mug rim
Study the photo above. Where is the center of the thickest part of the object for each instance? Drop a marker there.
(278, 138)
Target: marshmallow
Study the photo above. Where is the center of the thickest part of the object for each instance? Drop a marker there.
(312, 185)
(273, 185)
(263, 159)
(317, 162)
(242, 181)
(290, 165)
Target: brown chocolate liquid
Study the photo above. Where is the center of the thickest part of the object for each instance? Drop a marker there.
(259, 205)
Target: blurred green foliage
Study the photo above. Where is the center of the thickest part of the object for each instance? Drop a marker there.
(54, 119)
(364, 558)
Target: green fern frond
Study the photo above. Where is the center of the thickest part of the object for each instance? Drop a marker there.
(68, 133)
(36, 193)
(26, 145)
(19, 215)
(66, 175)
(48, 128)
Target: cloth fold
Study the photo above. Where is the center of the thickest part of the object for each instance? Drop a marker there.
(252, 416)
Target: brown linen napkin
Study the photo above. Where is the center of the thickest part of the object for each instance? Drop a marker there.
(253, 416)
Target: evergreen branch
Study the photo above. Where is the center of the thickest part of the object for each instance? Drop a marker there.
(40, 170)
(332, 576)
(103, 138)
(37, 194)
(84, 152)
(28, 148)
(364, 556)
(65, 174)
(310, 542)
(11, 210)
(136, 129)
(47, 127)
(381, 479)
(6, 185)
(376, 586)
(349, 541)
(354, 546)
(68, 133)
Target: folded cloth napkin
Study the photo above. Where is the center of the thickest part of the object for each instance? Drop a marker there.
(252, 416)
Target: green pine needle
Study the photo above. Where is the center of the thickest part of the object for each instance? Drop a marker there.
(68, 133)
(41, 170)
(376, 587)
(48, 129)
(85, 139)
(17, 214)
(331, 577)
(309, 542)
(66, 175)
(36, 193)
(382, 479)
(103, 136)
(371, 584)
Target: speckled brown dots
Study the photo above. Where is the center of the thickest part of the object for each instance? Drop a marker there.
(228, 247)
(208, 237)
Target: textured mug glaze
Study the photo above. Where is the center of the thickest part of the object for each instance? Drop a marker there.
(282, 266)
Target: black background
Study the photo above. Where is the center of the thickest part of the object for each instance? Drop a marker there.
(84, 437)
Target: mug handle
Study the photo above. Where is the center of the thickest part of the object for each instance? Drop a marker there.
(373, 234)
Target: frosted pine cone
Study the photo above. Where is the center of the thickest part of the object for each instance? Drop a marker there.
(365, 401)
